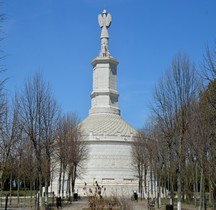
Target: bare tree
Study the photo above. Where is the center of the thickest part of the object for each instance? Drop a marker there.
(10, 133)
(62, 150)
(209, 63)
(140, 160)
(3, 111)
(208, 111)
(172, 100)
(3, 104)
(70, 152)
(196, 151)
(78, 154)
(208, 116)
(38, 117)
(158, 157)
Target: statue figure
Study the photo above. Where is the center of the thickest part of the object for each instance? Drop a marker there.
(104, 22)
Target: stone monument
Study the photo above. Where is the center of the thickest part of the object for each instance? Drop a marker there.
(108, 136)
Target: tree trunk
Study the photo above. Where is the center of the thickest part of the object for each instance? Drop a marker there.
(145, 184)
(194, 193)
(171, 189)
(18, 190)
(59, 180)
(210, 192)
(31, 189)
(151, 181)
(201, 189)
(179, 188)
(73, 178)
(214, 198)
(159, 191)
(195, 186)
(141, 179)
(24, 191)
(40, 189)
(10, 187)
(1, 192)
(46, 191)
(63, 181)
(179, 171)
(69, 186)
(170, 178)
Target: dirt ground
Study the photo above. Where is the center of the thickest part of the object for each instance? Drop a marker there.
(137, 205)
(83, 205)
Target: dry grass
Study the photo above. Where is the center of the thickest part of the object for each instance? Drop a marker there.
(97, 201)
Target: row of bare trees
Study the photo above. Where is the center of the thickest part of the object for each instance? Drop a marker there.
(70, 153)
(36, 139)
(38, 114)
(179, 146)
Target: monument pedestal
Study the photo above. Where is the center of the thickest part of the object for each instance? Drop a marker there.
(104, 97)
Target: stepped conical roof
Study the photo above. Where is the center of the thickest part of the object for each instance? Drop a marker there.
(104, 121)
(107, 125)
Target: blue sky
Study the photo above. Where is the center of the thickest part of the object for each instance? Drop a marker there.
(60, 38)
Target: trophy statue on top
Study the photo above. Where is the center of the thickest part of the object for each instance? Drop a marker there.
(104, 21)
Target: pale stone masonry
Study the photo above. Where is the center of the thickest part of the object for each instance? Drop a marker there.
(109, 138)
(104, 97)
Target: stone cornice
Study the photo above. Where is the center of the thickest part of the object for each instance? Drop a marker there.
(104, 60)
